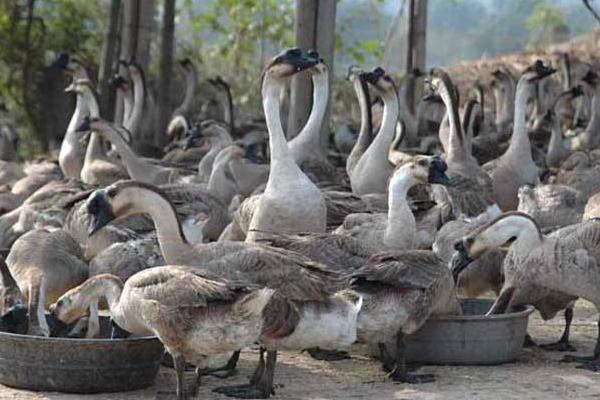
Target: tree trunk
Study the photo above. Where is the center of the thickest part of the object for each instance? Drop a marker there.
(107, 64)
(417, 41)
(166, 71)
(314, 29)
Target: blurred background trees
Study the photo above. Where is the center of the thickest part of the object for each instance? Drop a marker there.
(234, 38)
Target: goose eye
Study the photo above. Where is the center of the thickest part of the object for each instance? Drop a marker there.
(111, 193)
(59, 303)
(422, 163)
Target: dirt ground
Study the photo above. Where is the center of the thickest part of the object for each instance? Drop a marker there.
(536, 375)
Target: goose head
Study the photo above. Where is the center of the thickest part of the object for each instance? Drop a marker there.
(590, 78)
(489, 236)
(439, 82)
(115, 201)
(118, 81)
(421, 170)
(186, 64)
(537, 71)
(70, 65)
(380, 80)
(288, 63)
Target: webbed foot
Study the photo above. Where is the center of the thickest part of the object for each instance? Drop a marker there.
(405, 377)
(247, 391)
(328, 355)
(590, 363)
(558, 346)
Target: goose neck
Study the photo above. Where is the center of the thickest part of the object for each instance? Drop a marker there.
(173, 245)
(137, 168)
(311, 132)
(519, 141)
(366, 124)
(456, 146)
(524, 230)
(139, 93)
(191, 80)
(385, 136)
(401, 221)
(278, 146)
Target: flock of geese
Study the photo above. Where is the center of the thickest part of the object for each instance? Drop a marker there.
(237, 236)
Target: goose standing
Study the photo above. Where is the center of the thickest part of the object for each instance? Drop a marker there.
(557, 152)
(373, 169)
(72, 150)
(516, 167)
(192, 314)
(401, 290)
(550, 272)
(291, 203)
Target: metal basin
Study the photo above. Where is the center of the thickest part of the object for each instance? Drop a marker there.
(78, 365)
(470, 339)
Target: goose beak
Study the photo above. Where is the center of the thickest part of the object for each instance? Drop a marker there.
(117, 81)
(100, 211)
(301, 61)
(460, 260)
(373, 76)
(70, 88)
(437, 171)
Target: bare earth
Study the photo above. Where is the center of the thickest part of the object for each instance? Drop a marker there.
(537, 375)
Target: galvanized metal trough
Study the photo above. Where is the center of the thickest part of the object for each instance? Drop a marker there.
(469, 339)
(472, 338)
(78, 365)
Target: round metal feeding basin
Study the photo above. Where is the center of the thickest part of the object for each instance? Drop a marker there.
(78, 365)
(470, 339)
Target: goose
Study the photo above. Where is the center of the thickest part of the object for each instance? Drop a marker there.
(179, 123)
(589, 138)
(134, 122)
(97, 169)
(44, 265)
(193, 315)
(291, 203)
(343, 252)
(557, 152)
(516, 167)
(401, 290)
(397, 229)
(304, 282)
(123, 89)
(219, 138)
(36, 176)
(505, 99)
(137, 167)
(373, 169)
(305, 148)
(549, 272)
(366, 123)
(552, 206)
(470, 187)
(395, 155)
(592, 208)
(72, 150)
(10, 294)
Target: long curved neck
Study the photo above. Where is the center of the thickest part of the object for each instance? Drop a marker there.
(137, 168)
(106, 286)
(310, 134)
(77, 116)
(383, 140)
(219, 184)
(519, 141)
(127, 97)
(95, 149)
(139, 93)
(365, 135)
(173, 245)
(227, 104)
(278, 147)
(522, 228)
(456, 145)
(555, 146)
(401, 223)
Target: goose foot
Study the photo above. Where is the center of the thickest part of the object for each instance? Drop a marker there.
(405, 377)
(247, 391)
(590, 363)
(225, 371)
(328, 355)
(529, 342)
(558, 346)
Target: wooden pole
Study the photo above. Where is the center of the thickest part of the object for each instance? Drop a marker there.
(314, 28)
(416, 48)
(166, 71)
(108, 55)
